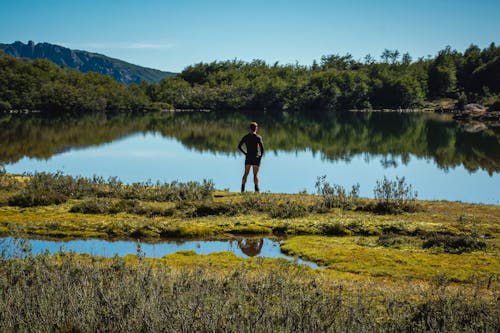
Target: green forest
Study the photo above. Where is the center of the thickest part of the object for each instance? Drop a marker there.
(336, 82)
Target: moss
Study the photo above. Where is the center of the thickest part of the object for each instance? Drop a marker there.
(344, 254)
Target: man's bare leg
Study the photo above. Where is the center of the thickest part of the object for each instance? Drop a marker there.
(244, 179)
(256, 177)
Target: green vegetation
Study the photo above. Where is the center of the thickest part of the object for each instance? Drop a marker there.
(431, 269)
(70, 293)
(335, 196)
(337, 83)
(449, 235)
(43, 189)
(336, 136)
(394, 196)
(42, 85)
(364, 256)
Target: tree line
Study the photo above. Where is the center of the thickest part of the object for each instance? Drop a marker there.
(335, 82)
(334, 135)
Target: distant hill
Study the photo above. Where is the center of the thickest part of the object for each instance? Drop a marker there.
(84, 61)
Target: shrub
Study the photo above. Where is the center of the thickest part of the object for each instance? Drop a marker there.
(288, 209)
(7, 181)
(256, 201)
(333, 229)
(48, 188)
(212, 208)
(174, 191)
(41, 198)
(93, 206)
(454, 244)
(393, 197)
(335, 196)
(52, 188)
(68, 293)
(108, 206)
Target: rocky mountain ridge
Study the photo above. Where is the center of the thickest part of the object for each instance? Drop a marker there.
(84, 61)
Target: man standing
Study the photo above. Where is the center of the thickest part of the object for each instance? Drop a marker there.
(254, 153)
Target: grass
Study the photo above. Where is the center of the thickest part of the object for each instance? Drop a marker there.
(185, 292)
(365, 256)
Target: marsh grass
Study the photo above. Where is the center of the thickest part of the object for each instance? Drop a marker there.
(96, 205)
(71, 293)
(43, 189)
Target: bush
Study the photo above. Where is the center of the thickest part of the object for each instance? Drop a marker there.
(174, 191)
(393, 197)
(42, 198)
(210, 208)
(49, 188)
(7, 181)
(288, 209)
(256, 201)
(335, 196)
(275, 207)
(108, 206)
(93, 206)
(454, 244)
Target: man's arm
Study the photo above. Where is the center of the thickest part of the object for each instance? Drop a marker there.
(240, 146)
(261, 145)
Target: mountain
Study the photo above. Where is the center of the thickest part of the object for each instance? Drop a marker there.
(84, 61)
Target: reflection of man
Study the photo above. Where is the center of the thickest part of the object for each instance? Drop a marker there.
(254, 153)
(251, 247)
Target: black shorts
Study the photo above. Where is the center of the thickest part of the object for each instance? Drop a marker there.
(252, 160)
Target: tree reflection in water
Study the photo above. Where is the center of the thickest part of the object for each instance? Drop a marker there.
(335, 135)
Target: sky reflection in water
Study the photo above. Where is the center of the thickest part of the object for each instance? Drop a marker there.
(250, 247)
(144, 156)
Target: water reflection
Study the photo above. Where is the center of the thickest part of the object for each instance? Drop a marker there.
(244, 247)
(251, 247)
(336, 136)
(437, 156)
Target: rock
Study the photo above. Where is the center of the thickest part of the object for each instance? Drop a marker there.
(474, 107)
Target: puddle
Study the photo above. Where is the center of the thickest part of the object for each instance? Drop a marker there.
(245, 247)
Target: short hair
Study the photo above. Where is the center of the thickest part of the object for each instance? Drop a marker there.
(253, 125)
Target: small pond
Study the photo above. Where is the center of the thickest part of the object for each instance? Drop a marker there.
(244, 247)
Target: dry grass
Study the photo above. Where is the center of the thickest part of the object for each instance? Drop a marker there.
(69, 293)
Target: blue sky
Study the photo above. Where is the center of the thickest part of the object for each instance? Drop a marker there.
(171, 35)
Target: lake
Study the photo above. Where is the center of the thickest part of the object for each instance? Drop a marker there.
(439, 157)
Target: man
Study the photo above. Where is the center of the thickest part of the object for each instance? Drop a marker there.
(254, 152)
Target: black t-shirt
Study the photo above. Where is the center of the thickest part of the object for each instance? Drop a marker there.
(253, 142)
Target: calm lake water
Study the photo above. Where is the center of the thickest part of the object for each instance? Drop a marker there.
(440, 158)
